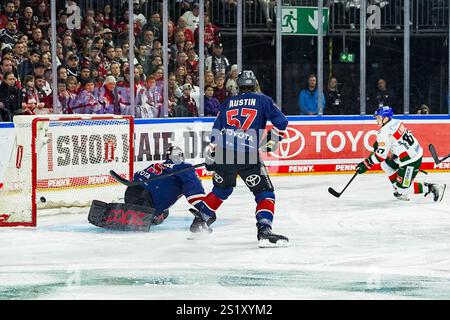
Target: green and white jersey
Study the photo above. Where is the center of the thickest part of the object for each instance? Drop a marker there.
(395, 139)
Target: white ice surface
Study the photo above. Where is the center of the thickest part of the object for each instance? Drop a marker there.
(364, 245)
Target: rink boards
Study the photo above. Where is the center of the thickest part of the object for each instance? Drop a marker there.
(312, 145)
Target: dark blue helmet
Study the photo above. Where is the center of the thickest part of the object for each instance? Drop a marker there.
(384, 111)
(246, 78)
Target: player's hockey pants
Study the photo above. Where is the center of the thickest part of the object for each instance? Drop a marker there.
(402, 177)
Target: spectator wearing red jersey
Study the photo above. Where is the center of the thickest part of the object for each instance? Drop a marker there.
(181, 26)
(109, 21)
(30, 96)
(192, 61)
(9, 14)
(122, 27)
(212, 35)
(220, 92)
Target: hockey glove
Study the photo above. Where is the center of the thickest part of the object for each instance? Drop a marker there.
(273, 137)
(210, 154)
(269, 146)
(363, 166)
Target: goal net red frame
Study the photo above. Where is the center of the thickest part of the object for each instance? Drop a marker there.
(63, 161)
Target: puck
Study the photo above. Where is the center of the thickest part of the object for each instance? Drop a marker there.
(43, 199)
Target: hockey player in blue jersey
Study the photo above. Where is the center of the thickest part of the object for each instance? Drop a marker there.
(153, 199)
(163, 193)
(236, 139)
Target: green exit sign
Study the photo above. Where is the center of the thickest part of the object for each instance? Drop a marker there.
(347, 57)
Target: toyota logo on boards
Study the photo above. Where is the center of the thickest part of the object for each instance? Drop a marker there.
(291, 145)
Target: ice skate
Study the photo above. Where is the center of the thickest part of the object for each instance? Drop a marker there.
(199, 227)
(437, 190)
(267, 239)
(400, 196)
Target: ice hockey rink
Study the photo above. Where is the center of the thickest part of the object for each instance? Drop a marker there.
(364, 245)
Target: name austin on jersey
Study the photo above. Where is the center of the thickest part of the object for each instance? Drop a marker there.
(242, 102)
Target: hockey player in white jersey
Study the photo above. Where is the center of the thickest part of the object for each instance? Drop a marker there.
(400, 155)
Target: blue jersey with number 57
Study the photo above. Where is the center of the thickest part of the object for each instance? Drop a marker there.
(242, 120)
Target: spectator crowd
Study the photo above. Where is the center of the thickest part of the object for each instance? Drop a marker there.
(93, 68)
(92, 61)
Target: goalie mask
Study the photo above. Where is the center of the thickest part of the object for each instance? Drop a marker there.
(175, 154)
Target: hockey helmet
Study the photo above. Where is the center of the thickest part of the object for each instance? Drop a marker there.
(384, 111)
(246, 78)
(175, 154)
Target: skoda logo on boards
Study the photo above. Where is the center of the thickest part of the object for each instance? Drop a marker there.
(291, 145)
(253, 180)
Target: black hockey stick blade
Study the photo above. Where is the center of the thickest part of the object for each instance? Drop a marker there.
(435, 155)
(128, 183)
(338, 194)
(334, 192)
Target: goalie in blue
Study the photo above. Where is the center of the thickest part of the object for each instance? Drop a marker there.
(152, 198)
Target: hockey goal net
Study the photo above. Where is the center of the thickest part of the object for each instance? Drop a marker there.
(64, 161)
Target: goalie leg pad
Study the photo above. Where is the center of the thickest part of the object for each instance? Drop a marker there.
(121, 216)
(138, 195)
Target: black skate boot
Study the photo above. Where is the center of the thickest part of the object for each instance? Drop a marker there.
(437, 190)
(199, 224)
(267, 239)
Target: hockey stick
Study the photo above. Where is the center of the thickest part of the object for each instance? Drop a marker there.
(338, 194)
(435, 155)
(128, 183)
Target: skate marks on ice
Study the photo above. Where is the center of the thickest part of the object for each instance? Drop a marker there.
(364, 245)
(222, 283)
